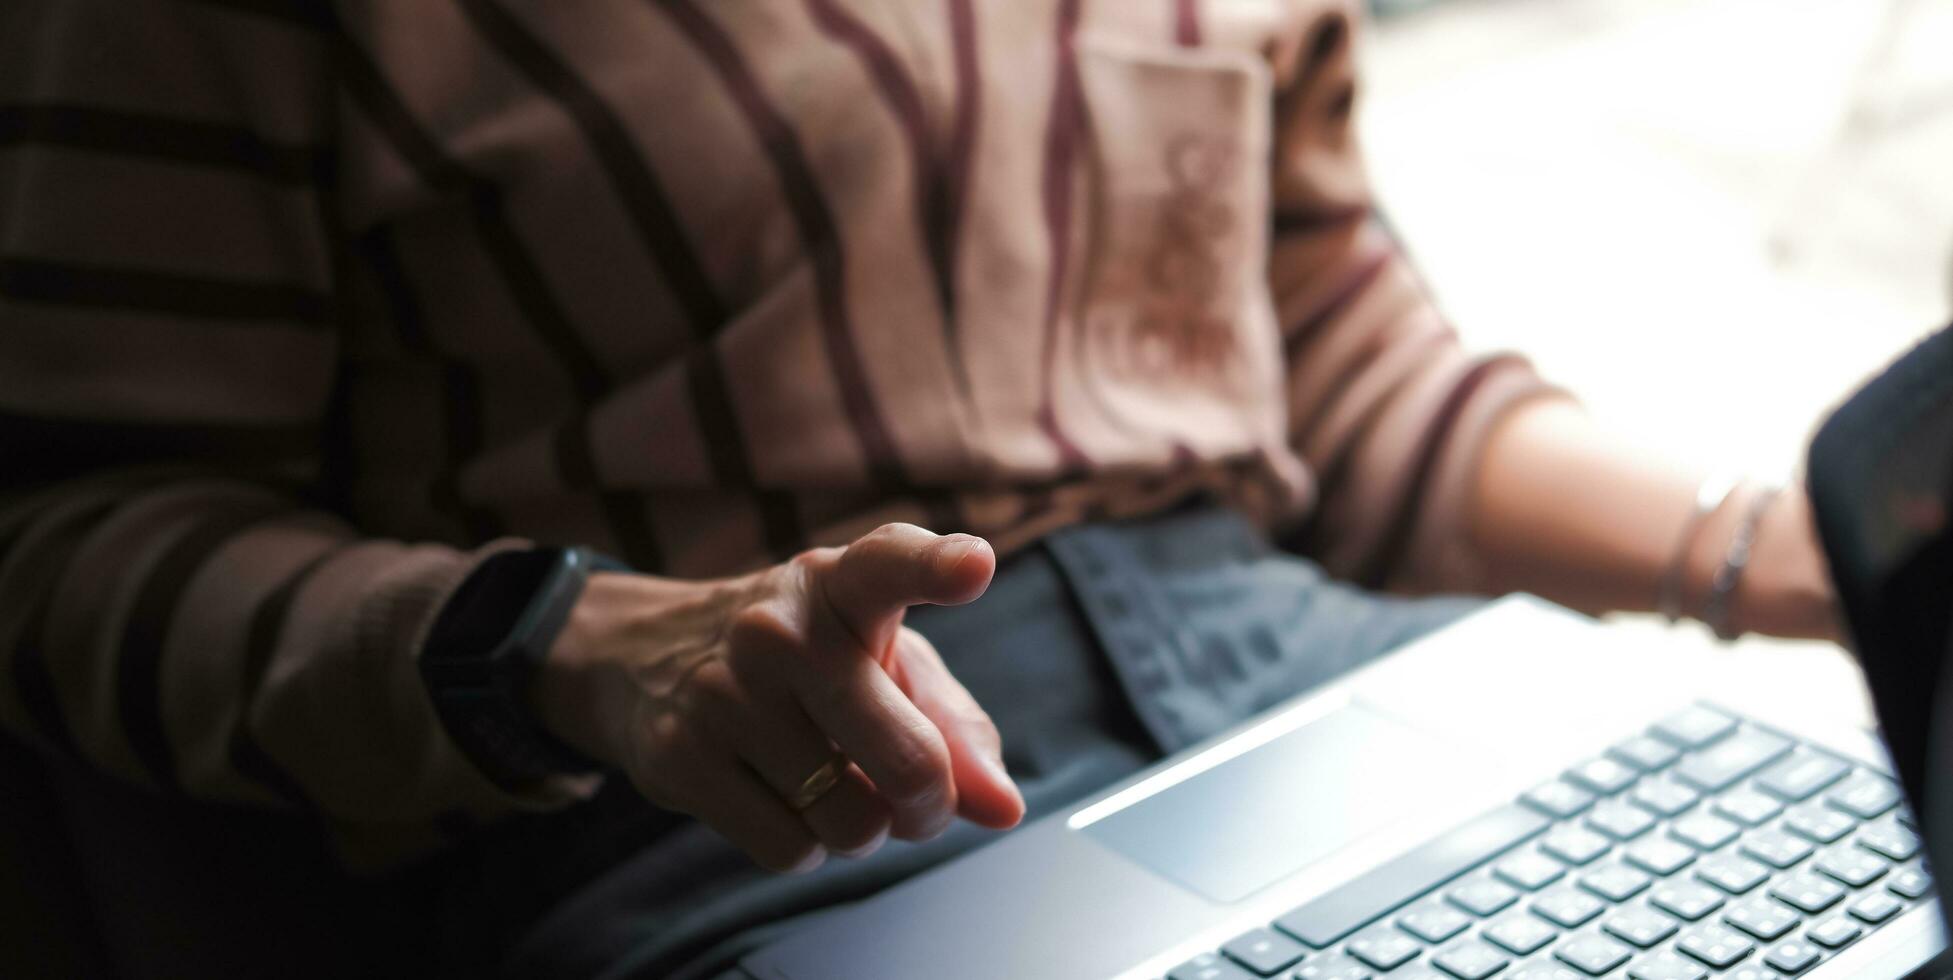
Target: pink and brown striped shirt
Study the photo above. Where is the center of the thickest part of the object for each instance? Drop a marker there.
(303, 305)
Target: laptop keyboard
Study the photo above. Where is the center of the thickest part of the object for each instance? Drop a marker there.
(1704, 847)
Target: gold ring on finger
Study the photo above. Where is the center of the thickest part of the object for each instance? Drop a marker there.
(819, 782)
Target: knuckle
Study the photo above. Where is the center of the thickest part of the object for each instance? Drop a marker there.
(763, 628)
(981, 728)
(814, 561)
(918, 770)
(889, 533)
(716, 692)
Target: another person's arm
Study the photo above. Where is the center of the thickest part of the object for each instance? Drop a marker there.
(1567, 509)
(1439, 470)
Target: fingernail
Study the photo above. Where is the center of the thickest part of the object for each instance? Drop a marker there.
(814, 859)
(996, 766)
(871, 847)
(937, 825)
(957, 547)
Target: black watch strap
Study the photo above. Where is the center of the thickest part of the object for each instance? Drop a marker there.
(484, 649)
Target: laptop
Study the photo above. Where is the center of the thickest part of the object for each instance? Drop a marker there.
(1526, 795)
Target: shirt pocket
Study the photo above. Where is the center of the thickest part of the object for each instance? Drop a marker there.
(1173, 324)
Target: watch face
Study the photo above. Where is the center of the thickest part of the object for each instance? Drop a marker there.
(485, 609)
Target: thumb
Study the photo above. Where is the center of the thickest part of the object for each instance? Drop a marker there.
(897, 566)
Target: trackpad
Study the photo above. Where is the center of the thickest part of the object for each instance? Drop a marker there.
(1261, 816)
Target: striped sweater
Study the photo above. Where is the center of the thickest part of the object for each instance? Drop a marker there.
(305, 306)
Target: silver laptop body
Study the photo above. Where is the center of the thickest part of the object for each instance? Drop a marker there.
(1320, 811)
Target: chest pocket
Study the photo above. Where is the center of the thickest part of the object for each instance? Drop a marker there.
(1173, 311)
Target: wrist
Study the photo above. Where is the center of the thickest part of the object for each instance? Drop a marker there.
(565, 696)
(1787, 590)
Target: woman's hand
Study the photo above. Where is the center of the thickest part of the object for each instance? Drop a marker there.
(719, 699)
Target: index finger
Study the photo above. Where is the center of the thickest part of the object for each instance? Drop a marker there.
(897, 566)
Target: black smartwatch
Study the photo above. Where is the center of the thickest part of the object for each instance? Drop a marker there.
(484, 649)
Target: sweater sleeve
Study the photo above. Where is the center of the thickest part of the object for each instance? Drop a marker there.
(1385, 405)
(177, 605)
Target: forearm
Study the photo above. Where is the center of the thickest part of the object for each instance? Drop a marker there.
(213, 638)
(1568, 510)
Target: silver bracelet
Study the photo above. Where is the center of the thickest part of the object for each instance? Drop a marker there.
(1709, 498)
(1715, 612)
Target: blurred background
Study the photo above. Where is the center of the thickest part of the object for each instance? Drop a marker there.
(1710, 218)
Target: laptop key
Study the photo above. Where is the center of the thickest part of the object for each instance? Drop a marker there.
(1520, 934)
(1619, 820)
(1208, 966)
(1664, 797)
(1875, 907)
(1329, 918)
(1659, 856)
(1807, 893)
(1603, 775)
(1818, 823)
(1760, 917)
(1484, 897)
(1694, 727)
(1471, 960)
(1722, 765)
(1575, 845)
(1703, 831)
(1545, 970)
(1864, 796)
(1434, 922)
(1666, 966)
(1890, 839)
(1732, 873)
(1593, 954)
(1799, 777)
(1264, 951)
(1685, 899)
(1567, 908)
(1853, 866)
(1384, 948)
(1332, 967)
(1530, 870)
(1745, 973)
(1642, 927)
(1616, 882)
(1834, 933)
(1646, 753)
(1748, 807)
(1910, 883)
(1558, 799)
(1718, 946)
(1792, 956)
(1776, 848)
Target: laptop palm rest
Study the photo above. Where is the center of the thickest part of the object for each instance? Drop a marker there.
(1236, 828)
